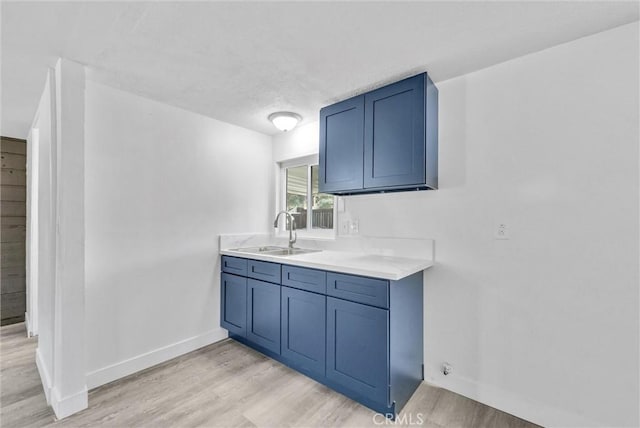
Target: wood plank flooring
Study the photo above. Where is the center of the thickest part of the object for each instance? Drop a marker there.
(222, 385)
(13, 193)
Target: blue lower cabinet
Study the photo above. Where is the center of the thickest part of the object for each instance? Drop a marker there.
(362, 337)
(303, 329)
(263, 314)
(357, 348)
(233, 314)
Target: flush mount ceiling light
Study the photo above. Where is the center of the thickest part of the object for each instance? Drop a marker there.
(285, 120)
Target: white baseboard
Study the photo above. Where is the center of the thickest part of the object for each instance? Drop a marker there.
(149, 359)
(541, 414)
(29, 325)
(62, 406)
(44, 375)
(67, 406)
(26, 324)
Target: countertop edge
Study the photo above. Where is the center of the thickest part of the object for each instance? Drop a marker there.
(418, 266)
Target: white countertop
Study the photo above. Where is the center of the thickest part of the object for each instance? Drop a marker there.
(386, 267)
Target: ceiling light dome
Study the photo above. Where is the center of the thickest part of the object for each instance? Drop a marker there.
(285, 120)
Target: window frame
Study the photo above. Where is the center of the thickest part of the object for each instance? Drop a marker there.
(281, 199)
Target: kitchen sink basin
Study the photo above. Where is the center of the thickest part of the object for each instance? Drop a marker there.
(258, 250)
(291, 251)
(275, 251)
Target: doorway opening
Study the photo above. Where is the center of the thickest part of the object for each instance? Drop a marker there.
(13, 217)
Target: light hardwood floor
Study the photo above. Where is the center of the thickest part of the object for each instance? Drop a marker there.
(222, 385)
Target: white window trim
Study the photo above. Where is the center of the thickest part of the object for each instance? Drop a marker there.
(281, 200)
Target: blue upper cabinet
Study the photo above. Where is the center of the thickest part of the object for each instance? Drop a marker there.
(394, 135)
(341, 136)
(398, 147)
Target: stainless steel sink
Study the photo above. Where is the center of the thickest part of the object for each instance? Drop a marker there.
(291, 252)
(275, 251)
(259, 250)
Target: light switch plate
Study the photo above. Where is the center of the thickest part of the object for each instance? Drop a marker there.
(502, 231)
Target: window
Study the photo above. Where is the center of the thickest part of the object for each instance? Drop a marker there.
(312, 211)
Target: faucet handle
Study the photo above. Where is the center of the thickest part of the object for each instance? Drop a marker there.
(293, 233)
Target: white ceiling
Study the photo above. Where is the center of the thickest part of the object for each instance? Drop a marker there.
(240, 61)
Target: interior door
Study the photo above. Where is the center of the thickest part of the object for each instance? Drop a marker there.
(13, 219)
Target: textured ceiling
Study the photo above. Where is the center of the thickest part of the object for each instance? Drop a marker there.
(240, 61)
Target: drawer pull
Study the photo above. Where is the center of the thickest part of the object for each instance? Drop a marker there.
(307, 279)
(254, 270)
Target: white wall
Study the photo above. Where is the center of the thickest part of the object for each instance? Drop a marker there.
(69, 394)
(44, 240)
(300, 142)
(544, 325)
(161, 184)
(56, 271)
(33, 139)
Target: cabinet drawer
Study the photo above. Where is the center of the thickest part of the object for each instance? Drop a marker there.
(359, 289)
(234, 265)
(264, 271)
(304, 279)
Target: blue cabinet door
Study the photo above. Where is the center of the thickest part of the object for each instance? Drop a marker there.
(394, 134)
(303, 328)
(263, 314)
(357, 348)
(341, 146)
(233, 311)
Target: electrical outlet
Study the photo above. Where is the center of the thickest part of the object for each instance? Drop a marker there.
(446, 369)
(502, 231)
(345, 225)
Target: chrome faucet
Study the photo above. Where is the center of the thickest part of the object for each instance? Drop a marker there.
(292, 222)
